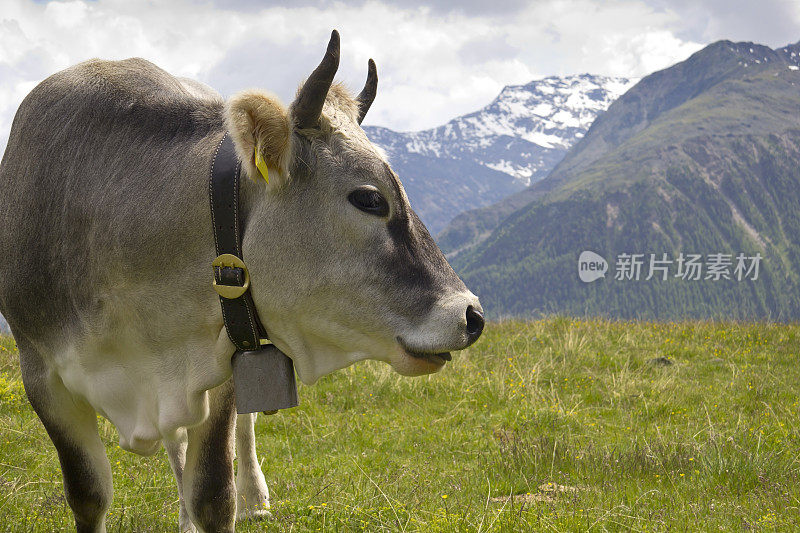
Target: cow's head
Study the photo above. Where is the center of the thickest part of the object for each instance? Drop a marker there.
(342, 268)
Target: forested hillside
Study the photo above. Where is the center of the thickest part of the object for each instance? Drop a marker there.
(701, 158)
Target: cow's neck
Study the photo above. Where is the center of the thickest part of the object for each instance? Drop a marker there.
(267, 253)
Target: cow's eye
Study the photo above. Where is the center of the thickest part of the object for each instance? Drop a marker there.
(370, 201)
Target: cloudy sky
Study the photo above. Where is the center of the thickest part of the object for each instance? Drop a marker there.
(435, 59)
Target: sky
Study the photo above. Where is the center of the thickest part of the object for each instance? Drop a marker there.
(436, 60)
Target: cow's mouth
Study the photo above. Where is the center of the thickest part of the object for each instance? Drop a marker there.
(437, 358)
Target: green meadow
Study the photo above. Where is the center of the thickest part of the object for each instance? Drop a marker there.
(551, 425)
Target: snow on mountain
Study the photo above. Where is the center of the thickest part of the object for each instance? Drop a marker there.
(486, 155)
(551, 114)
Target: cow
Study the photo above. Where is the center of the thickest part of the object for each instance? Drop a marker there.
(107, 244)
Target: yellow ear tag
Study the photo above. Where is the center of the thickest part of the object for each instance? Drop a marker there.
(262, 165)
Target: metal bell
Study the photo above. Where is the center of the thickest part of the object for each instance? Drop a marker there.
(263, 380)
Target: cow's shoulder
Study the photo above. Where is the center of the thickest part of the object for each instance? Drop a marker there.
(135, 78)
(131, 91)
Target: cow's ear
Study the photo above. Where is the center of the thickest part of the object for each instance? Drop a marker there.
(259, 125)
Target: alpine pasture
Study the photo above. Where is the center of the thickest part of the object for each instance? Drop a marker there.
(550, 425)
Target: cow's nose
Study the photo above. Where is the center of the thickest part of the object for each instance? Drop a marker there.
(475, 324)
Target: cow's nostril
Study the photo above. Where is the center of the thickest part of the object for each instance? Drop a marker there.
(474, 323)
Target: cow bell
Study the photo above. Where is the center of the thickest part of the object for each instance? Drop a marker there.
(263, 380)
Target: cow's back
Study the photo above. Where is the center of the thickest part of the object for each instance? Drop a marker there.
(102, 182)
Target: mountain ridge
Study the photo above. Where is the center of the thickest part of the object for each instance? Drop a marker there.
(652, 96)
(483, 156)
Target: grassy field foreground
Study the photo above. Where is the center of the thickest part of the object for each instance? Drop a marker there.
(550, 425)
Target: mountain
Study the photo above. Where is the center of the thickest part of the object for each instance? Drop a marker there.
(477, 159)
(4, 329)
(700, 158)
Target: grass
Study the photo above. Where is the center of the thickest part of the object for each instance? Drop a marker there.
(555, 425)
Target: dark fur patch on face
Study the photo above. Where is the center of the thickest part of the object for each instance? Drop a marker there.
(416, 260)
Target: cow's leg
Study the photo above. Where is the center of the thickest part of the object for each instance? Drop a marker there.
(251, 487)
(176, 450)
(72, 426)
(208, 483)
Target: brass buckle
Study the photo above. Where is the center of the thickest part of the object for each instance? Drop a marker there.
(230, 291)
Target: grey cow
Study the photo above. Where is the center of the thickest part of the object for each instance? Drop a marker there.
(107, 246)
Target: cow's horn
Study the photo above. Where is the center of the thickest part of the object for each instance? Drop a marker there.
(307, 106)
(368, 93)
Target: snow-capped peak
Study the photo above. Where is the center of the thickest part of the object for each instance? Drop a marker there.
(546, 111)
(523, 132)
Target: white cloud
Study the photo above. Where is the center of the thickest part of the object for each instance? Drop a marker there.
(434, 63)
(774, 23)
(645, 52)
(66, 14)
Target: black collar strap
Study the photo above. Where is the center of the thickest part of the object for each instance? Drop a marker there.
(231, 278)
(263, 376)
